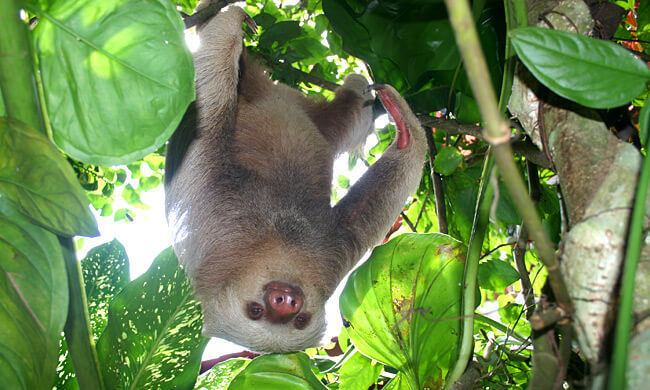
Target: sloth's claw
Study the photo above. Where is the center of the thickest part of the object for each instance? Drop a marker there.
(251, 23)
(391, 100)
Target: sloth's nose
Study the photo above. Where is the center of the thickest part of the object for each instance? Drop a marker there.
(285, 302)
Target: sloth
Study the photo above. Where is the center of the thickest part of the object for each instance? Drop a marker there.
(248, 184)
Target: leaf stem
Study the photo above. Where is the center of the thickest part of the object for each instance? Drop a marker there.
(479, 229)
(77, 327)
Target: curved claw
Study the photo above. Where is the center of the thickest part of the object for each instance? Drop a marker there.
(251, 23)
(388, 98)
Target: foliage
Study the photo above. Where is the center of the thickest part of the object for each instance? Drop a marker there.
(113, 88)
(153, 333)
(34, 308)
(593, 73)
(142, 63)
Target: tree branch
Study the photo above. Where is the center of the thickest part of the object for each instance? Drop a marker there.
(453, 127)
(205, 11)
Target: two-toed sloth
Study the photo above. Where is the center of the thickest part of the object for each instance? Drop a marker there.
(248, 186)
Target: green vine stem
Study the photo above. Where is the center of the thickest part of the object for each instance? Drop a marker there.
(632, 254)
(516, 16)
(479, 229)
(497, 133)
(21, 100)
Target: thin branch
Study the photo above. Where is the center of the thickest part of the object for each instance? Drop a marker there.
(496, 248)
(408, 221)
(453, 127)
(205, 12)
(436, 179)
(519, 253)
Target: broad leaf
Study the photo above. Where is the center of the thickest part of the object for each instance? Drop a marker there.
(495, 274)
(358, 372)
(40, 183)
(447, 160)
(402, 306)
(116, 85)
(591, 72)
(153, 335)
(105, 271)
(278, 372)
(220, 375)
(34, 297)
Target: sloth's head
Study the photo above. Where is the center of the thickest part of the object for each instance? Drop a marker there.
(274, 304)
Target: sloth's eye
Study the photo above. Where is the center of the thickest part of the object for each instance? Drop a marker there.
(301, 321)
(255, 311)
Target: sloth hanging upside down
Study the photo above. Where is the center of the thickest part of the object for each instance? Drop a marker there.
(248, 184)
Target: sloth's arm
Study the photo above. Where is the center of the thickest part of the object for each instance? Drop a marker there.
(366, 213)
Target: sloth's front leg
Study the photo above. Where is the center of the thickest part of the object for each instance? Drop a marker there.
(366, 213)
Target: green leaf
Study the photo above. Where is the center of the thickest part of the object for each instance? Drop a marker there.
(594, 73)
(34, 297)
(153, 335)
(40, 183)
(644, 123)
(188, 6)
(116, 85)
(105, 271)
(281, 33)
(447, 160)
(220, 375)
(402, 306)
(496, 275)
(278, 371)
(358, 372)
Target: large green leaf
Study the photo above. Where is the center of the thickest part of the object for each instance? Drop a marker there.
(40, 183)
(153, 335)
(105, 272)
(220, 375)
(591, 72)
(117, 76)
(402, 306)
(34, 302)
(358, 372)
(278, 372)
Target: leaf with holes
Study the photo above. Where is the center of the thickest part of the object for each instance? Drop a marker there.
(220, 375)
(115, 85)
(106, 272)
(278, 372)
(153, 335)
(402, 306)
(34, 297)
(40, 183)
(592, 72)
